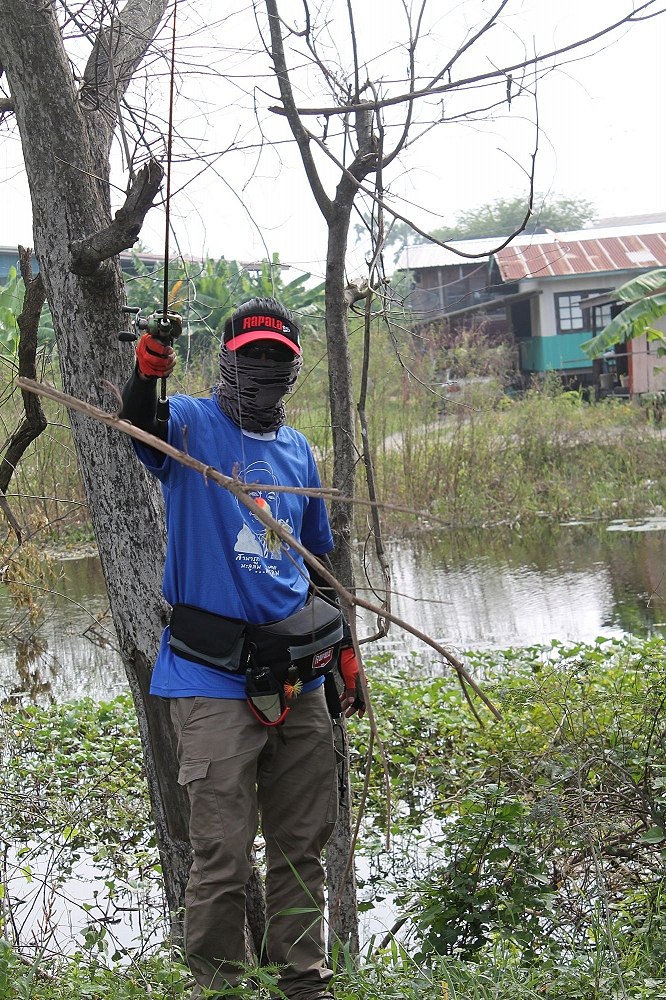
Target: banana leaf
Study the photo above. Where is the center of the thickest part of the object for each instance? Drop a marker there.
(645, 284)
(631, 322)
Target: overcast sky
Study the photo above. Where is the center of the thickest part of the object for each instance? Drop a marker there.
(601, 137)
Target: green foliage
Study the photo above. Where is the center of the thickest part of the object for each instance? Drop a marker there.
(539, 837)
(82, 977)
(527, 855)
(81, 763)
(647, 295)
(82, 801)
(506, 215)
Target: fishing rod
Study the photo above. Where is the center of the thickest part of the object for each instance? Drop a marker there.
(164, 326)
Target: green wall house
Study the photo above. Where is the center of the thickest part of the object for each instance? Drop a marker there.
(534, 289)
(560, 271)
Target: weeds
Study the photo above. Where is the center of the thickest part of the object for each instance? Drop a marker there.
(526, 860)
(516, 461)
(472, 458)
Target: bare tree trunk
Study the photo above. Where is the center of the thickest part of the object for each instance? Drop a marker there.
(66, 150)
(340, 386)
(343, 907)
(343, 910)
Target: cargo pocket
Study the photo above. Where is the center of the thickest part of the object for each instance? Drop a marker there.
(205, 816)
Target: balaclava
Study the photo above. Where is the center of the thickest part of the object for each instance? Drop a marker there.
(251, 390)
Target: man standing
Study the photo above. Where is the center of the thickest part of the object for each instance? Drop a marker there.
(224, 574)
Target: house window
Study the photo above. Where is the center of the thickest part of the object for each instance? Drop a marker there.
(571, 318)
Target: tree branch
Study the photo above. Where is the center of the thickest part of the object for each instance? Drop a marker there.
(289, 109)
(372, 193)
(240, 491)
(34, 421)
(118, 50)
(87, 255)
(466, 82)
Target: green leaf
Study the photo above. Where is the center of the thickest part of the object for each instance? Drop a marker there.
(654, 835)
(644, 285)
(630, 323)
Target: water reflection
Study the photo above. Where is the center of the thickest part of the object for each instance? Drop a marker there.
(468, 590)
(488, 590)
(73, 650)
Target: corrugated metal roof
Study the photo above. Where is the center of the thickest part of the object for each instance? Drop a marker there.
(423, 255)
(558, 255)
(420, 255)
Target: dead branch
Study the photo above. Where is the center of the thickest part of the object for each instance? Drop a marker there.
(11, 518)
(87, 255)
(480, 78)
(34, 421)
(239, 490)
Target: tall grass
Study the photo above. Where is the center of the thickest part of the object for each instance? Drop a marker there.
(471, 458)
(545, 455)
(45, 493)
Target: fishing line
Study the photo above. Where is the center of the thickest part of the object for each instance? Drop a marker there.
(167, 200)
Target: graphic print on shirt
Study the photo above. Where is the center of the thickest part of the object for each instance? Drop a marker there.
(254, 541)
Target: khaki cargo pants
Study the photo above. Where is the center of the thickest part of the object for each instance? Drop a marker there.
(235, 769)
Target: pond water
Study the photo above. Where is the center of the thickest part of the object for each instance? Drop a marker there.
(468, 591)
(480, 590)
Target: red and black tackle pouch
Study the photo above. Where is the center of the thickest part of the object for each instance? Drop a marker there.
(265, 695)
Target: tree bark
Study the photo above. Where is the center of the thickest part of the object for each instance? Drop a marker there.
(340, 385)
(66, 152)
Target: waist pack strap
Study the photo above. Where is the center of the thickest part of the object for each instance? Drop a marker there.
(307, 641)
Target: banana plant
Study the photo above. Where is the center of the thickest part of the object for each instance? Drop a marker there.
(206, 293)
(646, 301)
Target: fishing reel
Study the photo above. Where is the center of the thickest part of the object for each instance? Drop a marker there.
(164, 327)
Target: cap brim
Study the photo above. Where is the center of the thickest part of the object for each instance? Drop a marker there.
(253, 335)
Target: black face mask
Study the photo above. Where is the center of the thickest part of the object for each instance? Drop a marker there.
(250, 390)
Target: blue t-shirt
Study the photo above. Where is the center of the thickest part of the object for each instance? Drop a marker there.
(219, 555)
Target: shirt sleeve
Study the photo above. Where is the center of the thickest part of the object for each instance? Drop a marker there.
(159, 464)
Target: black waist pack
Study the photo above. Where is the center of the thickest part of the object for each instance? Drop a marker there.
(304, 645)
